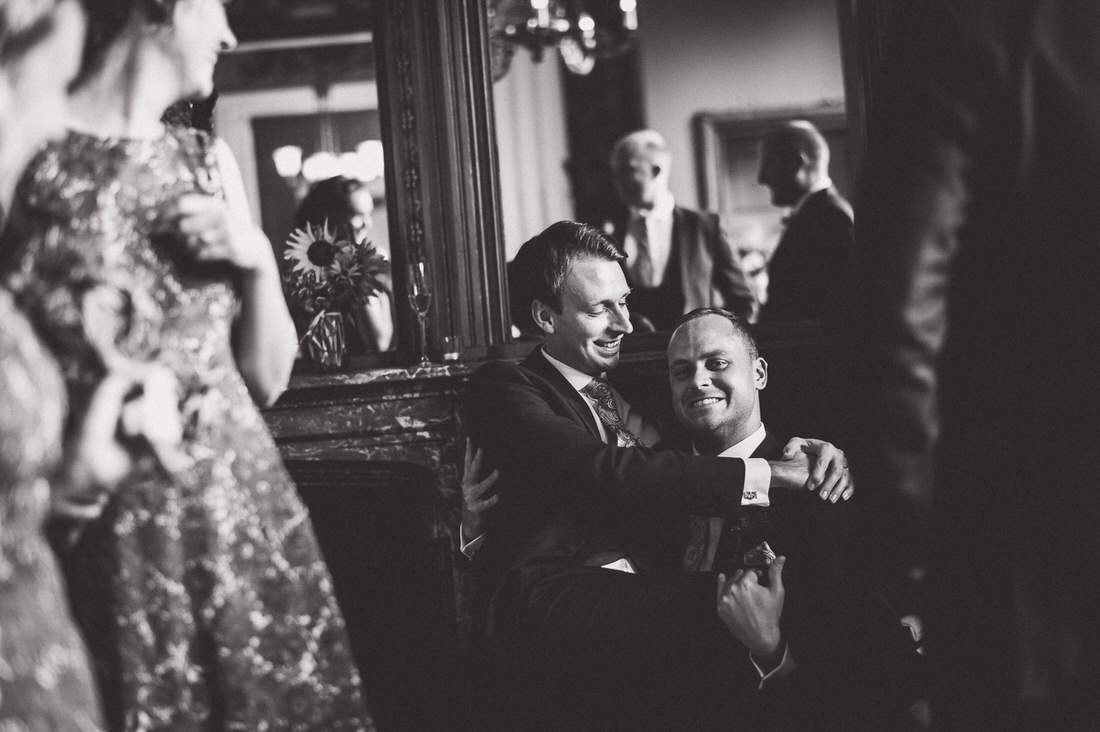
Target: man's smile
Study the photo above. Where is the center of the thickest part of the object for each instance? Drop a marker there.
(611, 346)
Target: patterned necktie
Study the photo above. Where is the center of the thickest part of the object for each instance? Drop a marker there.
(643, 266)
(608, 413)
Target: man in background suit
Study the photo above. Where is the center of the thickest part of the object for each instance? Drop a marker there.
(677, 259)
(813, 254)
(582, 627)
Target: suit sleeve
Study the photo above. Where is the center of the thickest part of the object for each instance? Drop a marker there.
(729, 278)
(550, 460)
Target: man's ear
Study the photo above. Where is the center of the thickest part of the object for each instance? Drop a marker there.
(760, 373)
(543, 315)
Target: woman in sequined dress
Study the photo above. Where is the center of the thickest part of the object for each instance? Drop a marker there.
(201, 590)
(45, 681)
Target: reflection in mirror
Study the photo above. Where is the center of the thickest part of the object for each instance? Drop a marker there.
(710, 58)
(298, 104)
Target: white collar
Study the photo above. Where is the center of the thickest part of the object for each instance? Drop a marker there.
(661, 211)
(746, 447)
(576, 378)
(818, 187)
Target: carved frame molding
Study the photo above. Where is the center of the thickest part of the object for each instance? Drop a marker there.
(435, 92)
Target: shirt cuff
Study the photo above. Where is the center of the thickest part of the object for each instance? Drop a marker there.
(785, 667)
(758, 478)
(469, 548)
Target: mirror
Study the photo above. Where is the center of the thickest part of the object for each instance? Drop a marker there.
(711, 76)
(298, 105)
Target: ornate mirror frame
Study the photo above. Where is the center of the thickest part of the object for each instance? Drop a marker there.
(435, 93)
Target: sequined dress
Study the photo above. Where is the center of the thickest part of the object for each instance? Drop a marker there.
(203, 596)
(45, 684)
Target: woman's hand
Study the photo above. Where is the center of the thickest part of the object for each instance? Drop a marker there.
(95, 461)
(474, 501)
(213, 234)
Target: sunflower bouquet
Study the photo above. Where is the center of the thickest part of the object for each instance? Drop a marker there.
(331, 280)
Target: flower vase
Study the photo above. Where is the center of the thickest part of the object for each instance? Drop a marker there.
(326, 343)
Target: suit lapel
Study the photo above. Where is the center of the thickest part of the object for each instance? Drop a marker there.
(538, 365)
(694, 259)
(768, 449)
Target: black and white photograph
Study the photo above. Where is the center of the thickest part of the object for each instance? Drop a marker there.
(551, 365)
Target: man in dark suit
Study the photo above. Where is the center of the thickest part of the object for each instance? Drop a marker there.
(716, 375)
(566, 601)
(814, 252)
(677, 259)
(976, 326)
(867, 668)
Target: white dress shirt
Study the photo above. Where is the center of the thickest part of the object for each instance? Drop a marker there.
(743, 449)
(658, 227)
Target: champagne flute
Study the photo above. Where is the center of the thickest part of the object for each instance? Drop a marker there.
(420, 298)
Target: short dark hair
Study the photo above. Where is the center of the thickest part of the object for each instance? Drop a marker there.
(539, 268)
(740, 326)
(23, 23)
(108, 18)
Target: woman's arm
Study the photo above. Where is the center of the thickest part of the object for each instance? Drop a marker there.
(265, 342)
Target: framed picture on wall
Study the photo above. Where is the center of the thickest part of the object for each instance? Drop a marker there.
(727, 147)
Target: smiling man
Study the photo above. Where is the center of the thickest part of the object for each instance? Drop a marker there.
(580, 624)
(716, 375)
(839, 625)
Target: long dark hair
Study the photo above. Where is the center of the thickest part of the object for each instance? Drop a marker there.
(328, 199)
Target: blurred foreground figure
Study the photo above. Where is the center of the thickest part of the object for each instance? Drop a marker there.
(45, 681)
(201, 590)
(978, 333)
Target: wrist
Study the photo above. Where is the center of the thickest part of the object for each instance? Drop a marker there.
(261, 269)
(784, 475)
(768, 655)
(469, 534)
(259, 259)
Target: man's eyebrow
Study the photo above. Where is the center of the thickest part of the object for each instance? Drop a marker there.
(719, 352)
(610, 300)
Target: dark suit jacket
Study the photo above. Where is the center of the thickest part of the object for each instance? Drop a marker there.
(563, 492)
(709, 272)
(977, 334)
(811, 533)
(807, 269)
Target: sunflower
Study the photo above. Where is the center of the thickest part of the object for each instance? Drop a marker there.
(312, 250)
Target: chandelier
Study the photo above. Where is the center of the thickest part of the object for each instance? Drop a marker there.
(582, 30)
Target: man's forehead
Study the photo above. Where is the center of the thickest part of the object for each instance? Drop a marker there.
(704, 336)
(595, 280)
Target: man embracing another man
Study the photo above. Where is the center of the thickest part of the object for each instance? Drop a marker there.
(590, 629)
